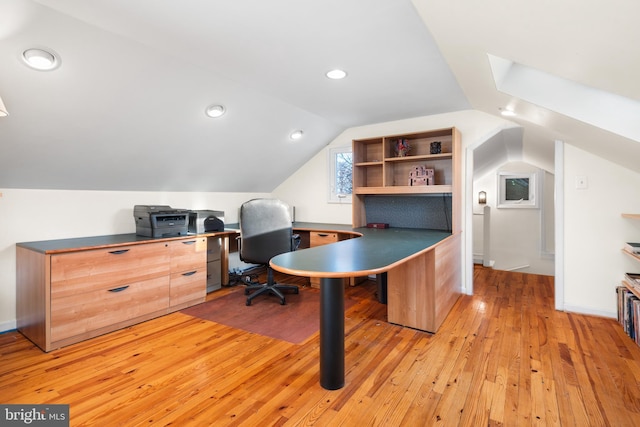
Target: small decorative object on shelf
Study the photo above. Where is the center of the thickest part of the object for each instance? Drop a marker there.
(436, 147)
(402, 147)
(420, 175)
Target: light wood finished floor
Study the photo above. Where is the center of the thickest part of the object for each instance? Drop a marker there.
(502, 357)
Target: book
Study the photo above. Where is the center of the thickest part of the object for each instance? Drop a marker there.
(633, 279)
(632, 247)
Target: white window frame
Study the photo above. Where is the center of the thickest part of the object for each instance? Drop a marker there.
(534, 196)
(334, 197)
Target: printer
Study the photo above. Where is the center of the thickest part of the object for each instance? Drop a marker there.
(160, 221)
(205, 221)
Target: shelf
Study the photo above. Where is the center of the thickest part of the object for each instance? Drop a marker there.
(634, 256)
(365, 164)
(634, 290)
(405, 189)
(441, 156)
(633, 216)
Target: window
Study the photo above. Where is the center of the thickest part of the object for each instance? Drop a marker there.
(340, 175)
(518, 190)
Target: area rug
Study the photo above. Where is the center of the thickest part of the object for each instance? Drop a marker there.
(293, 322)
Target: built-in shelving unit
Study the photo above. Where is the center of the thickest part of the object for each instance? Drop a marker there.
(379, 169)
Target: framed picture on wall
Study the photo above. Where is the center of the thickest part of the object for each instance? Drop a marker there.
(518, 190)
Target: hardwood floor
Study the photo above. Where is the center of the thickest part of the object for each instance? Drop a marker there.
(503, 357)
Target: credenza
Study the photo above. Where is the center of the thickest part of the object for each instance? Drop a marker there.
(70, 290)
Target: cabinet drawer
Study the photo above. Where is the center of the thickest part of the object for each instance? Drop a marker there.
(81, 313)
(318, 238)
(188, 286)
(102, 269)
(188, 254)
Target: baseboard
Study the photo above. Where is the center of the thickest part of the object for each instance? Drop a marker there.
(7, 326)
(583, 310)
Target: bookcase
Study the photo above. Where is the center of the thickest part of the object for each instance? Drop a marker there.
(629, 297)
(380, 169)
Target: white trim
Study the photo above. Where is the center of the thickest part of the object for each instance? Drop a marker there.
(583, 310)
(559, 224)
(534, 190)
(9, 325)
(467, 283)
(332, 196)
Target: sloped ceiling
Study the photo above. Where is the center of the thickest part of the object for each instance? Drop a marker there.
(591, 43)
(125, 110)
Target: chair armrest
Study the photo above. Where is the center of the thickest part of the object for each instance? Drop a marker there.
(295, 242)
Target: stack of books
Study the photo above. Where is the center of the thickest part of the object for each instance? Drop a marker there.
(629, 312)
(633, 248)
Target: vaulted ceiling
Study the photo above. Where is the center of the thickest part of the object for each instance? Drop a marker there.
(125, 109)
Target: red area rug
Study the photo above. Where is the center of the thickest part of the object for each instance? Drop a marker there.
(293, 322)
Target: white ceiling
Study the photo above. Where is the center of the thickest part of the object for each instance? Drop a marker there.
(125, 110)
(590, 42)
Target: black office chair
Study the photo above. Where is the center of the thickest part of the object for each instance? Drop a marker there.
(266, 231)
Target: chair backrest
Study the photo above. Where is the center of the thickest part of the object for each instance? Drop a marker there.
(265, 230)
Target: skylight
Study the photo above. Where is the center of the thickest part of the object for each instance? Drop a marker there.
(596, 107)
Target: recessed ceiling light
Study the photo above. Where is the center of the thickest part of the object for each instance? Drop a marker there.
(215, 110)
(336, 74)
(507, 112)
(296, 134)
(40, 59)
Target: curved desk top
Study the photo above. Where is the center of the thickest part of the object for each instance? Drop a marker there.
(377, 251)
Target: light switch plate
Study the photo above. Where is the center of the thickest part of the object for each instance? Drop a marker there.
(581, 182)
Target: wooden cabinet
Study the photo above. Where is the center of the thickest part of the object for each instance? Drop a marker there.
(319, 238)
(66, 293)
(421, 292)
(188, 272)
(93, 289)
(378, 169)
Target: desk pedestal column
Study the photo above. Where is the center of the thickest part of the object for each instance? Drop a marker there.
(331, 333)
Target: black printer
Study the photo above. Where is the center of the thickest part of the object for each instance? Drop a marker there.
(204, 221)
(160, 221)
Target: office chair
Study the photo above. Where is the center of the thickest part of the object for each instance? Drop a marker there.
(266, 231)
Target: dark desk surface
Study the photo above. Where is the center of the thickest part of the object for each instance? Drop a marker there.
(96, 242)
(375, 252)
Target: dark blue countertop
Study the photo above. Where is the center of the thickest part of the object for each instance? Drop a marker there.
(375, 252)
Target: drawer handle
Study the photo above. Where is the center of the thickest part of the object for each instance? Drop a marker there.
(190, 273)
(119, 252)
(323, 235)
(189, 242)
(120, 289)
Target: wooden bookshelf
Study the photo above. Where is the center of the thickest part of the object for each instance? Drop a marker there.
(630, 324)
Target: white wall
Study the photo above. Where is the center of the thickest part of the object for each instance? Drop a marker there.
(31, 215)
(516, 234)
(594, 231)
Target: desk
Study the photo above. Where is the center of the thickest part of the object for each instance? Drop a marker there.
(423, 268)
